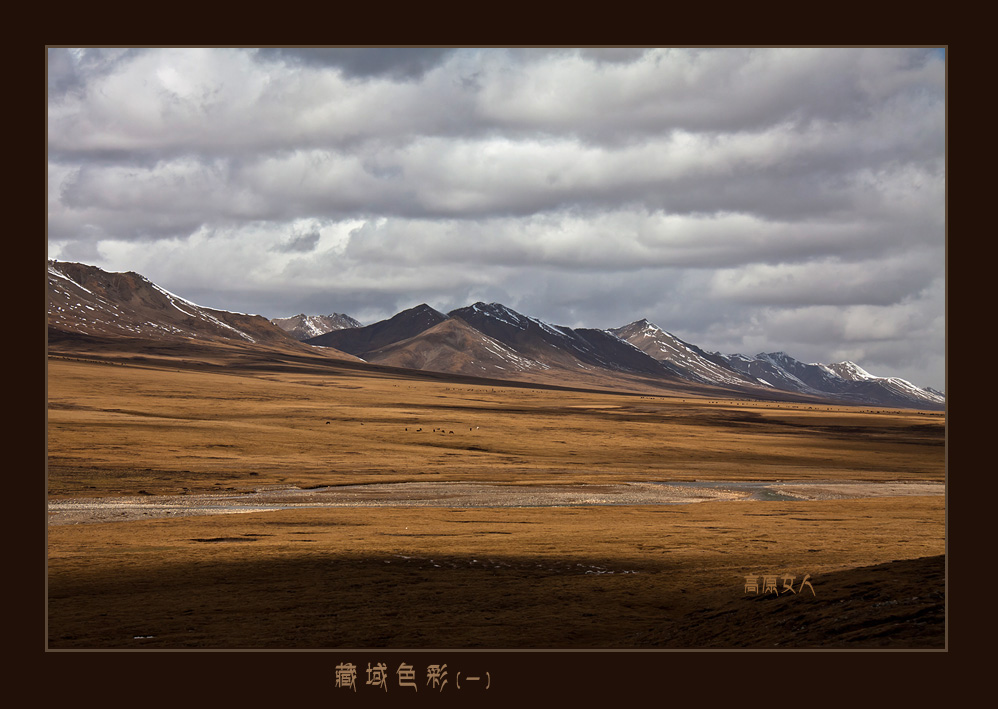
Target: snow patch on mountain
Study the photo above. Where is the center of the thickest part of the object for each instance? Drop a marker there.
(851, 371)
(690, 362)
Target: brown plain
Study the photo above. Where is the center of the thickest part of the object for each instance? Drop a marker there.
(402, 577)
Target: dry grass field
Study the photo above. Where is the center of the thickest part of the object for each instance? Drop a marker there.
(665, 576)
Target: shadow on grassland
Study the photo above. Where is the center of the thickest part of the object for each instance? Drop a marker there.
(391, 601)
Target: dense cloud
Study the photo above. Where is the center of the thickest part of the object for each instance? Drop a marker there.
(397, 63)
(746, 200)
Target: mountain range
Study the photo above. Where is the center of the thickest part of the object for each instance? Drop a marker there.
(487, 340)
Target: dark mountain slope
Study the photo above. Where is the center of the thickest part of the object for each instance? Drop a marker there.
(360, 340)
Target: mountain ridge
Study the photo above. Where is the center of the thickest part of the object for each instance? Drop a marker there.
(360, 340)
(87, 302)
(483, 339)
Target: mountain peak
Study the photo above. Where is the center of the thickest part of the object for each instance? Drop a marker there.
(687, 360)
(851, 370)
(304, 327)
(495, 311)
(360, 340)
(644, 327)
(780, 358)
(421, 309)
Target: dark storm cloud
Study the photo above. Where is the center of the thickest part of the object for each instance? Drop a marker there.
(71, 70)
(62, 74)
(614, 55)
(299, 242)
(399, 63)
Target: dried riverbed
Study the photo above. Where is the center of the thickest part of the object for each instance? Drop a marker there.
(461, 494)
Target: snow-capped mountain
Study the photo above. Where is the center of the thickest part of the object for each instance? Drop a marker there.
(556, 345)
(492, 340)
(688, 360)
(844, 381)
(86, 300)
(851, 371)
(303, 327)
(454, 346)
(781, 371)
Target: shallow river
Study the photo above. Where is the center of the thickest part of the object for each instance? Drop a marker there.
(462, 494)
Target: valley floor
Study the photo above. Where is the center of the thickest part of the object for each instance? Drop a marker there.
(383, 511)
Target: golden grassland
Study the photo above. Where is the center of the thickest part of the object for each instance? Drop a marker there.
(393, 577)
(121, 429)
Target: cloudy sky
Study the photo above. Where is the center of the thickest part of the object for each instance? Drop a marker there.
(746, 200)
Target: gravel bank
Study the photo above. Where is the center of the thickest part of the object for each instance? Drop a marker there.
(444, 494)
